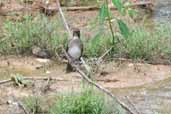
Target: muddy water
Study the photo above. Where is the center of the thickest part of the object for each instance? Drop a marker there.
(162, 11)
(153, 98)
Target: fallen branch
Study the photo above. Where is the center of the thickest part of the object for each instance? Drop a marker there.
(63, 19)
(34, 78)
(129, 101)
(22, 107)
(91, 8)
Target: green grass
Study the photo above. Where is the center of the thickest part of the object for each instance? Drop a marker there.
(88, 101)
(19, 37)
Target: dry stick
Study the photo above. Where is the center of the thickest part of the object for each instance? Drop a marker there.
(34, 78)
(63, 18)
(5, 81)
(129, 101)
(22, 107)
(100, 58)
(90, 8)
(85, 77)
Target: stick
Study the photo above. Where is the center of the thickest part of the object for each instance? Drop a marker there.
(63, 18)
(22, 107)
(5, 81)
(85, 77)
(92, 8)
(100, 58)
(34, 78)
(129, 101)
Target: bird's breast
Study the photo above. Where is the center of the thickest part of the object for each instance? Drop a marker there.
(74, 52)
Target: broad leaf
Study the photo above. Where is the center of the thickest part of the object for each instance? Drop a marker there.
(118, 4)
(103, 12)
(123, 28)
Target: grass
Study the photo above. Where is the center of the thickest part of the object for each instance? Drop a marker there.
(20, 36)
(86, 101)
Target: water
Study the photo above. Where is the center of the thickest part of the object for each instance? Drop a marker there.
(154, 98)
(162, 11)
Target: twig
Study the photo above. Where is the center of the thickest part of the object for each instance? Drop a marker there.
(34, 78)
(88, 69)
(63, 18)
(5, 81)
(85, 77)
(100, 58)
(92, 8)
(129, 101)
(22, 107)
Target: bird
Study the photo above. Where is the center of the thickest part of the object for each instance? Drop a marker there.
(74, 49)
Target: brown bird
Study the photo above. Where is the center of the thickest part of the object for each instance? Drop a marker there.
(74, 49)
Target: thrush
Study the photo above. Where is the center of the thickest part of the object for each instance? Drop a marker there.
(74, 49)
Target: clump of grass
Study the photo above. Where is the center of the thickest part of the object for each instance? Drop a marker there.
(85, 102)
(147, 45)
(19, 37)
(96, 46)
(33, 104)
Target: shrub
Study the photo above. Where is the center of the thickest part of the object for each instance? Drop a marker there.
(85, 102)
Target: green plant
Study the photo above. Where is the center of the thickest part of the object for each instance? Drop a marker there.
(33, 104)
(86, 102)
(19, 37)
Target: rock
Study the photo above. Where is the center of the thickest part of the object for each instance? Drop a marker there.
(41, 53)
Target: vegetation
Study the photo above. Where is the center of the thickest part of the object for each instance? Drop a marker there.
(87, 101)
(19, 38)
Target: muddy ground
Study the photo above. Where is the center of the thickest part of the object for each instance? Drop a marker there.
(117, 76)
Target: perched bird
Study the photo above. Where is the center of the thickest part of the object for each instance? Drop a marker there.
(74, 49)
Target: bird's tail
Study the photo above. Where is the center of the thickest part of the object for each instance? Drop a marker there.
(69, 68)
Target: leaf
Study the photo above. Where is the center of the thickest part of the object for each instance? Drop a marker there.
(123, 28)
(131, 12)
(103, 12)
(118, 4)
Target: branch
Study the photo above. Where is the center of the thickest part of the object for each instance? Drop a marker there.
(63, 18)
(34, 78)
(85, 77)
(22, 107)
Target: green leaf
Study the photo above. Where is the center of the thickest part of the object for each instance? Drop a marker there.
(123, 28)
(131, 12)
(103, 12)
(118, 4)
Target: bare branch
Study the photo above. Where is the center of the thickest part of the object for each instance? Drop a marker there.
(35, 78)
(63, 18)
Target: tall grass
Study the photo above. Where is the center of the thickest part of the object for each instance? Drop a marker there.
(19, 37)
(86, 102)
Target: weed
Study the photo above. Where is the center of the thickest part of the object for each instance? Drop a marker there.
(85, 102)
(20, 37)
(33, 104)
